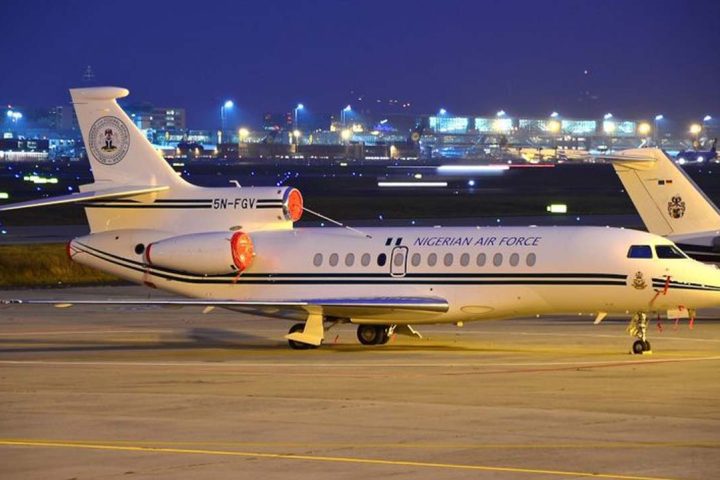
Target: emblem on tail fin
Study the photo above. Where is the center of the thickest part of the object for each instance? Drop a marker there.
(676, 207)
(109, 140)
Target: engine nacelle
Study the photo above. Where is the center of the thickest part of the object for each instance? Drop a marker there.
(211, 253)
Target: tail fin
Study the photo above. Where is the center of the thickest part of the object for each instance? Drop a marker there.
(118, 152)
(666, 198)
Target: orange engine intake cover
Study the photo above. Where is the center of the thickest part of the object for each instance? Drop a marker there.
(242, 249)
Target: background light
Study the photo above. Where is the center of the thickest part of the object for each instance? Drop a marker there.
(695, 128)
(500, 113)
(659, 117)
(442, 111)
(347, 109)
(346, 134)
(228, 104)
(554, 115)
(707, 118)
(608, 115)
(300, 106)
(644, 128)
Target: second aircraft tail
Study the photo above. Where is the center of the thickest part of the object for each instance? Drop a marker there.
(667, 199)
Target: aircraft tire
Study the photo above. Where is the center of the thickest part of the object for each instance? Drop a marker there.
(370, 334)
(638, 347)
(298, 327)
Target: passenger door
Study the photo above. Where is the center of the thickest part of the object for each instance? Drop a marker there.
(398, 261)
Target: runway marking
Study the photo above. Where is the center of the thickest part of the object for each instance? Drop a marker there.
(319, 458)
(84, 332)
(419, 445)
(301, 365)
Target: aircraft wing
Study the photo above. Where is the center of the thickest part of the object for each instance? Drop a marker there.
(119, 192)
(341, 307)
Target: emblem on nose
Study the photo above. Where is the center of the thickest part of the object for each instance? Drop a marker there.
(639, 282)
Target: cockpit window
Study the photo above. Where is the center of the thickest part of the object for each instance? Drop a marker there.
(640, 251)
(668, 251)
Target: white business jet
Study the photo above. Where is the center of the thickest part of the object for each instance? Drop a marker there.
(236, 248)
(669, 202)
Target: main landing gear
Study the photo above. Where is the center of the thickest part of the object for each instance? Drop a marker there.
(638, 328)
(298, 328)
(374, 334)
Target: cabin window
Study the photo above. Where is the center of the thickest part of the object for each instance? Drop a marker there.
(317, 260)
(334, 258)
(640, 251)
(399, 259)
(465, 259)
(481, 259)
(365, 259)
(382, 259)
(497, 259)
(514, 259)
(668, 251)
(530, 259)
(432, 259)
(349, 259)
(415, 260)
(448, 259)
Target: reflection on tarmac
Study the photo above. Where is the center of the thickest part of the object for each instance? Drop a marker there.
(87, 392)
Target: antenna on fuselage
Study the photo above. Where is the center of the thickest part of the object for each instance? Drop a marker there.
(340, 224)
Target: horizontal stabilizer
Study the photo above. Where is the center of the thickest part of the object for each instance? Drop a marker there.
(626, 158)
(119, 192)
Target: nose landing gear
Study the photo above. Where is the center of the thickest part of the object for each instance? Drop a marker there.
(638, 328)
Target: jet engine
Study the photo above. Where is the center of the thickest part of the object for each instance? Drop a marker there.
(211, 253)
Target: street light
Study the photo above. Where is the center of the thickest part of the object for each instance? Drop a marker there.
(225, 106)
(343, 114)
(656, 134)
(554, 115)
(644, 129)
(300, 106)
(695, 129)
(500, 113)
(243, 134)
(707, 118)
(608, 116)
(442, 112)
(346, 134)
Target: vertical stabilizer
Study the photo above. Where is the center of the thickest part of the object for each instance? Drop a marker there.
(666, 198)
(118, 152)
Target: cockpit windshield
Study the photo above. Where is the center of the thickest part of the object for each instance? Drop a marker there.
(669, 251)
(640, 251)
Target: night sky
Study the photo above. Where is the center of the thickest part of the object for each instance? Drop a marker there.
(471, 57)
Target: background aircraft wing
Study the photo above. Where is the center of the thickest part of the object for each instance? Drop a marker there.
(120, 192)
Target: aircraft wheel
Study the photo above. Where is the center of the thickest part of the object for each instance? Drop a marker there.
(638, 347)
(370, 334)
(646, 346)
(298, 327)
(385, 336)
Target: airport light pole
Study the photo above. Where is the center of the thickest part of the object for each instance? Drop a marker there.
(656, 134)
(299, 107)
(225, 106)
(343, 114)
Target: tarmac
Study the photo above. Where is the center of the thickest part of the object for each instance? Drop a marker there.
(145, 392)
